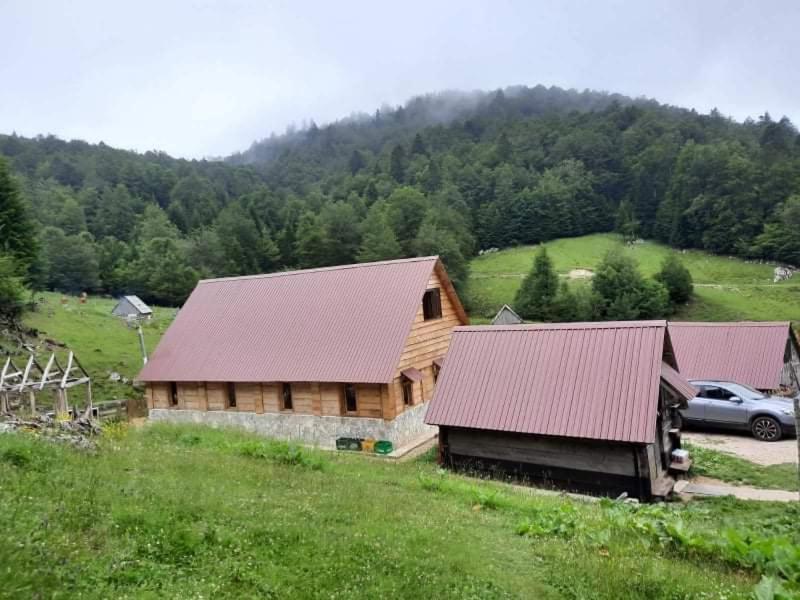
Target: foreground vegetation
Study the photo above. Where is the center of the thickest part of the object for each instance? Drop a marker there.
(176, 511)
(727, 467)
(724, 288)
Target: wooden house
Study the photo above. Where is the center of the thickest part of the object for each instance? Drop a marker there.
(313, 355)
(761, 354)
(506, 316)
(132, 307)
(582, 406)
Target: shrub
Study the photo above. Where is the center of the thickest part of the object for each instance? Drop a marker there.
(677, 279)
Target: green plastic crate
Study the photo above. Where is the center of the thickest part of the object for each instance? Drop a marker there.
(348, 444)
(383, 447)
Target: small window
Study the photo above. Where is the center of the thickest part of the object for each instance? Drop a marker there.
(436, 369)
(173, 394)
(287, 396)
(715, 393)
(231, 395)
(432, 304)
(408, 392)
(350, 403)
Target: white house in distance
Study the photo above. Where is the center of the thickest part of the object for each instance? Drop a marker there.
(132, 306)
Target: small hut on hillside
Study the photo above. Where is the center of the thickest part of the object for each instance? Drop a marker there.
(132, 306)
(583, 406)
(507, 316)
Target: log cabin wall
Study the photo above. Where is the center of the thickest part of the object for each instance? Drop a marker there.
(426, 341)
(308, 398)
(597, 466)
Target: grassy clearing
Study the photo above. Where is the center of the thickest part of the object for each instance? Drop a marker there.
(727, 288)
(179, 511)
(103, 343)
(724, 466)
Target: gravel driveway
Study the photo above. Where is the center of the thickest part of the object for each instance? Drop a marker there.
(744, 446)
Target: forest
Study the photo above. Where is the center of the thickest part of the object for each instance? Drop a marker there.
(448, 174)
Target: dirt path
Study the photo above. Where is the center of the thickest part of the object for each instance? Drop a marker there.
(746, 447)
(705, 486)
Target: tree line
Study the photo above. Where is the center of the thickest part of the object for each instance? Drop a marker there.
(443, 174)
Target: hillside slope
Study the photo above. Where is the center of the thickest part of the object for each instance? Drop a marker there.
(192, 512)
(726, 288)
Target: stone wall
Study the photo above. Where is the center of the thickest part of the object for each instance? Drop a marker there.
(308, 429)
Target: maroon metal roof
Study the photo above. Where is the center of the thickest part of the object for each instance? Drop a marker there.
(747, 352)
(411, 374)
(677, 382)
(338, 324)
(583, 380)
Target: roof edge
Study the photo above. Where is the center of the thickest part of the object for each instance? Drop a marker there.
(729, 323)
(562, 326)
(319, 269)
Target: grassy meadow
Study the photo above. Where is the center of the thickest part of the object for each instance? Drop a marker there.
(725, 288)
(168, 511)
(103, 343)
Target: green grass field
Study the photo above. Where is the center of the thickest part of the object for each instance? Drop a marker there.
(188, 512)
(726, 288)
(102, 343)
(727, 467)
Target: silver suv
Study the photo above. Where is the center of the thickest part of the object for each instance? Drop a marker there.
(728, 405)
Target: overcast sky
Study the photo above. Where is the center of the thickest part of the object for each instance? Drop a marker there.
(207, 78)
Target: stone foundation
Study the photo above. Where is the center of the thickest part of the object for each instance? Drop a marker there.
(308, 429)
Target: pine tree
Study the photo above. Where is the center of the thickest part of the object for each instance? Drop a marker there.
(378, 241)
(536, 296)
(418, 145)
(17, 233)
(311, 242)
(397, 164)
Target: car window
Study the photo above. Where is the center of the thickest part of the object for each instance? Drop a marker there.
(715, 393)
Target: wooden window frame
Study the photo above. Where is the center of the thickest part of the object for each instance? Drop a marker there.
(287, 402)
(345, 400)
(173, 394)
(407, 386)
(432, 304)
(230, 400)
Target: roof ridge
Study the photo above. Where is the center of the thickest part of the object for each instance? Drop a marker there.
(729, 323)
(563, 326)
(319, 269)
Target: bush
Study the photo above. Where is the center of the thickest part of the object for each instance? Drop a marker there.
(677, 279)
(623, 293)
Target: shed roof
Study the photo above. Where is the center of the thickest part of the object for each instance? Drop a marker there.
(138, 304)
(506, 316)
(582, 380)
(747, 352)
(338, 324)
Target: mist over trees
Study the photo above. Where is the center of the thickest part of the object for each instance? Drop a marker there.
(444, 174)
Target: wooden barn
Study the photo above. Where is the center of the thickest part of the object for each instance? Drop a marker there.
(132, 307)
(314, 355)
(760, 354)
(581, 406)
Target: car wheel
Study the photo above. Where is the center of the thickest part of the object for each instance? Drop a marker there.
(766, 429)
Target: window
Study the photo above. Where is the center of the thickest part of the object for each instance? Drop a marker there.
(173, 394)
(432, 304)
(350, 403)
(715, 393)
(231, 395)
(436, 368)
(408, 392)
(287, 396)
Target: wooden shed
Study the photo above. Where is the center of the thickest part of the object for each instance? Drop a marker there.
(507, 316)
(350, 351)
(132, 306)
(581, 406)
